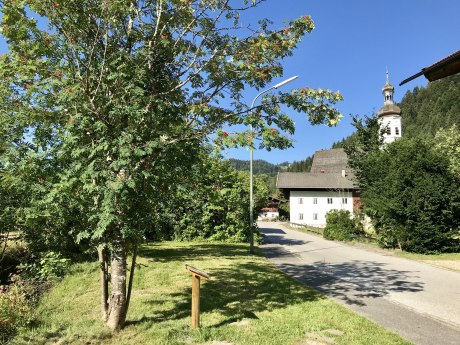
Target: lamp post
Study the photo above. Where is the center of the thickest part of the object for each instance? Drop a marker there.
(251, 198)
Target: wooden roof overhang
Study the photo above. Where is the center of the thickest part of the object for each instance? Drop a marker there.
(441, 69)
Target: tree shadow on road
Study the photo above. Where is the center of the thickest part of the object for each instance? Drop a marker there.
(353, 282)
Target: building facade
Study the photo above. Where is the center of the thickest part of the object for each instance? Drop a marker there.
(310, 207)
(327, 186)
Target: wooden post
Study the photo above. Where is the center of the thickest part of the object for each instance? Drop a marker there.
(195, 301)
(196, 275)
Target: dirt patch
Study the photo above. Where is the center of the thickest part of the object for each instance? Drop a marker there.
(335, 332)
(312, 338)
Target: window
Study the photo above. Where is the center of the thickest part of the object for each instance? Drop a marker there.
(300, 216)
(389, 130)
(344, 201)
(329, 200)
(300, 200)
(315, 201)
(397, 130)
(315, 216)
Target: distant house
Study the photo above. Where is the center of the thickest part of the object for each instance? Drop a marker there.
(268, 213)
(327, 186)
(271, 211)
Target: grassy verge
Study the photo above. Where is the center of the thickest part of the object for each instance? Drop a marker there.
(307, 229)
(448, 260)
(247, 301)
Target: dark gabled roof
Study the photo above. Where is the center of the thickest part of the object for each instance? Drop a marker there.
(287, 180)
(327, 172)
(448, 66)
(329, 161)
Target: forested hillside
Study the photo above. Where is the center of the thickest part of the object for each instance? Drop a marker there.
(427, 109)
(259, 166)
(301, 166)
(263, 167)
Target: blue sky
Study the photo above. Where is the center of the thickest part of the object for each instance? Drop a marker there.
(353, 44)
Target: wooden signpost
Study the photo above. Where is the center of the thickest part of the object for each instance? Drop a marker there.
(196, 275)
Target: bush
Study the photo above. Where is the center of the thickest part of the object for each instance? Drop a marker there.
(52, 265)
(17, 300)
(16, 306)
(340, 226)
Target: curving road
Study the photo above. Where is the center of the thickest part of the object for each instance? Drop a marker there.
(418, 301)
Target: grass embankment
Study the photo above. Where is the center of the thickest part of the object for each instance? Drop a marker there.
(447, 260)
(247, 301)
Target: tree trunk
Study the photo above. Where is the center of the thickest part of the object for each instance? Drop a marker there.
(130, 282)
(117, 301)
(104, 282)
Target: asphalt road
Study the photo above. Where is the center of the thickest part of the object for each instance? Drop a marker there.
(418, 301)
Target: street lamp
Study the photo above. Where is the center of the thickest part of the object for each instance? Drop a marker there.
(251, 199)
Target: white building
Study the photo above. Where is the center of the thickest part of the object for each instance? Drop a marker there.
(390, 115)
(268, 213)
(328, 186)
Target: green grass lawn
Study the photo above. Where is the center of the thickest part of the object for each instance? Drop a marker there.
(247, 301)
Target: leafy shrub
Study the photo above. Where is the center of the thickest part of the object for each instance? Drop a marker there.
(51, 265)
(17, 300)
(340, 226)
(16, 306)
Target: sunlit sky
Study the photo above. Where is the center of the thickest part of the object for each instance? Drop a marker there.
(353, 44)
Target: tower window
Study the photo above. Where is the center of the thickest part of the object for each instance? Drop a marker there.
(329, 200)
(344, 201)
(300, 200)
(388, 130)
(315, 201)
(397, 130)
(300, 216)
(315, 216)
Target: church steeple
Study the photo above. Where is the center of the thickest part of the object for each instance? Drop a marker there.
(388, 91)
(390, 114)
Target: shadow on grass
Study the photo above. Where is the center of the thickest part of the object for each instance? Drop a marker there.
(235, 292)
(196, 251)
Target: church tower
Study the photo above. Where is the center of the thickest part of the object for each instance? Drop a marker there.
(390, 115)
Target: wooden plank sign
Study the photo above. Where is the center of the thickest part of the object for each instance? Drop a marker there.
(196, 275)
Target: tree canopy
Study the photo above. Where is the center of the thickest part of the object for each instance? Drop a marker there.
(107, 102)
(407, 189)
(425, 110)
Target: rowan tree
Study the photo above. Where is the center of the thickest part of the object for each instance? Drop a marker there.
(114, 94)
